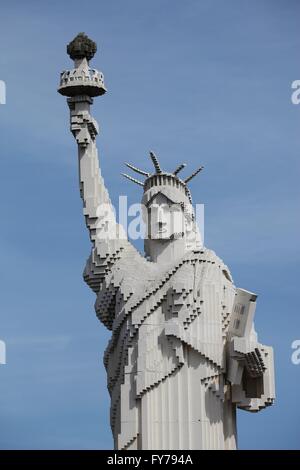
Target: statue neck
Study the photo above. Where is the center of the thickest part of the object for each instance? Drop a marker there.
(165, 251)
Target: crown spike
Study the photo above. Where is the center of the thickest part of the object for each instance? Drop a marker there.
(179, 168)
(132, 179)
(193, 174)
(137, 170)
(155, 162)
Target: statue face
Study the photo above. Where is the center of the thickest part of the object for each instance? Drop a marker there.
(165, 219)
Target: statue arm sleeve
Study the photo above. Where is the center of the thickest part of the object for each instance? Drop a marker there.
(99, 214)
(251, 373)
(107, 236)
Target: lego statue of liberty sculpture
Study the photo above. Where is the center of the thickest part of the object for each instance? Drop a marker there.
(183, 353)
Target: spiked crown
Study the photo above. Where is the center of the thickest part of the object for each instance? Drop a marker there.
(162, 179)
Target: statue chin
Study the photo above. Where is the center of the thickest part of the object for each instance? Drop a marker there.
(166, 235)
(161, 236)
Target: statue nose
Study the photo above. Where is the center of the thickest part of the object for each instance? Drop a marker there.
(161, 217)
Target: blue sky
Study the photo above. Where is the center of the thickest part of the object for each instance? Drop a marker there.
(206, 82)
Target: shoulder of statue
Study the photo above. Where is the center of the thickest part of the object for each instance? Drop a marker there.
(208, 255)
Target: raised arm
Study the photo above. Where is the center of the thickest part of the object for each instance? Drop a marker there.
(80, 85)
(97, 207)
